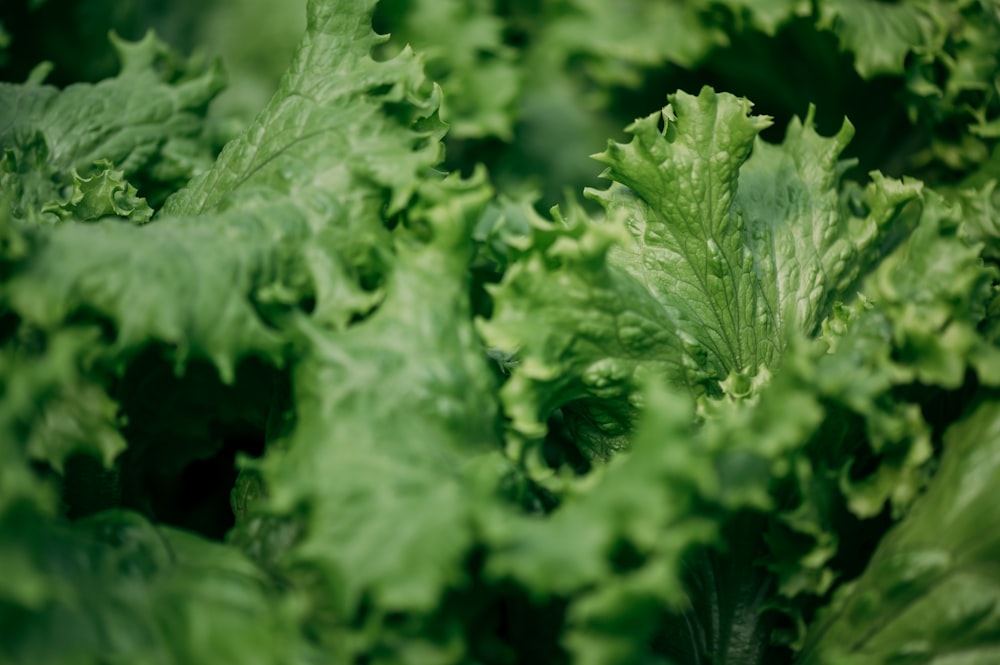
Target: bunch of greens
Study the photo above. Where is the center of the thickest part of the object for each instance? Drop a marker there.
(340, 392)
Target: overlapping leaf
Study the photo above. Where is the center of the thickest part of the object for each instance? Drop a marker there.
(726, 255)
(618, 41)
(139, 122)
(51, 408)
(118, 588)
(327, 127)
(392, 415)
(290, 223)
(302, 192)
(464, 50)
(880, 35)
(798, 420)
(930, 593)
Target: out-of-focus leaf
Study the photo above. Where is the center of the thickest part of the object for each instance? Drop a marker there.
(50, 409)
(929, 594)
(880, 34)
(115, 588)
(392, 414)
(463, 48)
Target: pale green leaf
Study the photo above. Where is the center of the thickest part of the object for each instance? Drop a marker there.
(48, 133)
(717, 247)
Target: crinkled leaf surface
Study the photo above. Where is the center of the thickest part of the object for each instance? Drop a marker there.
(103, 193)
(331, 104)
(392, 414)
(50, 409)
(301, 194)
(285, 227)
(725, 255)
(626, 540)
(798, 419)
(152, 282)
(131, 121)
(463, 47)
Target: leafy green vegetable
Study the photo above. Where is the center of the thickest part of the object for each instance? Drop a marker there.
(929, 593)
(142, 123)
(722, 261)
(339, 391)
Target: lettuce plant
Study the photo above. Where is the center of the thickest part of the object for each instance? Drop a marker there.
(341, 392)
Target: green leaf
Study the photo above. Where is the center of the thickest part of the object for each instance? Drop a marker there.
(54, 406)
(253, 67)
(935, 287)
(617, 41)
(463, 48)
(769, 15)
(327, 128)
(563, 301)
(298, 204)
(118, 589)
(887, 372)
(641, 498)
(722, 255)
(102, 194)
(929, 594)
(395, 414)
(880, 34)
(675, 187)
(129, 121)
(627, 539)
(150, 281)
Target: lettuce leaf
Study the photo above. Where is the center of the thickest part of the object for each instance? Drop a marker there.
(142, 122)
(115, 586)
(721, 415)
(463, 49)
(724, 255)
(929, 594)
(383, 514)
(290, 226)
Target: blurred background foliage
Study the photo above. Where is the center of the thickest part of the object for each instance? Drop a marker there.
(532, 87)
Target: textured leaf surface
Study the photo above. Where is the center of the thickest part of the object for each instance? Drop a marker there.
(304, 189)
(326, 127)
(51, 408)
(153, 282)
(392, 415)
(724, 256)
(463, 47)
(723, 420)
(131, 121)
